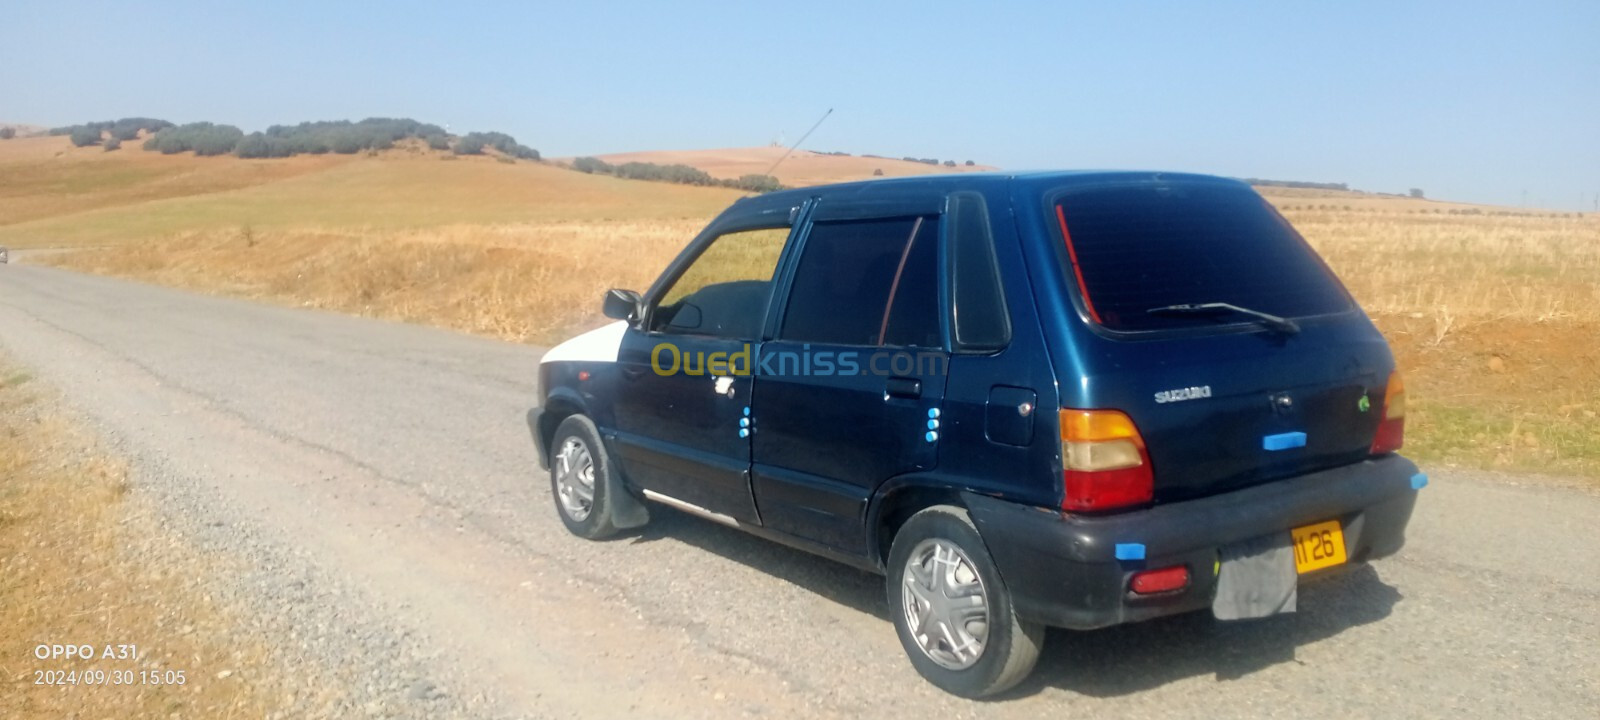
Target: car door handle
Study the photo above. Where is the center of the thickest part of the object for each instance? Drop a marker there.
(903, 387)
(633, 372)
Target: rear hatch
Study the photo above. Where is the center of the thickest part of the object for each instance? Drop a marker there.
(1216, 327)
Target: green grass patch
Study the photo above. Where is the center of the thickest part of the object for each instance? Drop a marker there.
(1554, 442)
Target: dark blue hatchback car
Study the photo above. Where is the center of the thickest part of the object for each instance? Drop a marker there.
(1068, 399)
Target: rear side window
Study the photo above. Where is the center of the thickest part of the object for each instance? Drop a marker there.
(869, 282)
(978, 305)
(1141, 246)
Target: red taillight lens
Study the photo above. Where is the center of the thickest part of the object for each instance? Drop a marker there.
(1104, 459)
(1160, 581)
(1391, 434)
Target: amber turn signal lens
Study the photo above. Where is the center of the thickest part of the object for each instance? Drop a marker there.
(1094, 425)
(1391, 433)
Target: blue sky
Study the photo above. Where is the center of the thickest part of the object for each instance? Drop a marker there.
(1468, 100)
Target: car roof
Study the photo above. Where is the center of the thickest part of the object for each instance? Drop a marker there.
(900, 187)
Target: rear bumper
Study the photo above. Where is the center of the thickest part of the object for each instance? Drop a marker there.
(1063, 570)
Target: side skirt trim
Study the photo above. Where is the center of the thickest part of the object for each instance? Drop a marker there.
(692, 509)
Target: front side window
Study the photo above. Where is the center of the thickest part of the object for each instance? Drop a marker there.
(724, 292)
(867, 282)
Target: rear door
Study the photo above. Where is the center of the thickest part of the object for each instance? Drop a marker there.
(1221, 398)
(848, 393)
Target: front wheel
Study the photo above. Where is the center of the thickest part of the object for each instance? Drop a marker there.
(580, 480)
(951, 609)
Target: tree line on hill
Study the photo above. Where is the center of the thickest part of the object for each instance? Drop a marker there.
(681, 174)
(308, 138)
(372, 134)
(340, 137)
(908, 158)
(92, 133)
(1296, 184)
(934, 161)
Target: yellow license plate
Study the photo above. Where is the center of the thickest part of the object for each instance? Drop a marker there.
(1318, 546)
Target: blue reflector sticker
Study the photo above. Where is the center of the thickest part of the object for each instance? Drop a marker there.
(933, 412)
(1130, 551)
(931, 436)
(1419, 481)
(1283, 441)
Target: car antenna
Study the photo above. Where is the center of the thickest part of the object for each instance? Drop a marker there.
(801, 140)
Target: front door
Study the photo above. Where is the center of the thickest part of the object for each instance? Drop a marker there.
(849, 393)
(682, 428)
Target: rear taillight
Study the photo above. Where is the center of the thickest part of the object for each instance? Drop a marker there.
(1391, 432)
(1104, 460)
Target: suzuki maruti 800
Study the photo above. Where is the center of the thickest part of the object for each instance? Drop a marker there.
(1069, 399)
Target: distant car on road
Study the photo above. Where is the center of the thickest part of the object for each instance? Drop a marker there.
(5, 255)
(1050, 399)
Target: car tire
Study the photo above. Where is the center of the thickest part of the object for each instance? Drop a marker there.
(937, 564)
(581, 479)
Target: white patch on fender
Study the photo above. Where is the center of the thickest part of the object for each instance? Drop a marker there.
(597, 345)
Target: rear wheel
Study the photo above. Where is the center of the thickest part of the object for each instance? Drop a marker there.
(580, 477)
(951, 609)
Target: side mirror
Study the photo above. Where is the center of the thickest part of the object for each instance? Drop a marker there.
(621, 304)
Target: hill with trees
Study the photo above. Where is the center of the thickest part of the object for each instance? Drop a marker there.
(308, 138)
(675, 173)
(797, 169)
(372, 135)
(91, 133)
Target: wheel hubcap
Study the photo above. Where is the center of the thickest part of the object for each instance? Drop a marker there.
(945, 604)
(575, 479)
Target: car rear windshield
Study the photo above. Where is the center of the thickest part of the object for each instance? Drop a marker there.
(1138, 246)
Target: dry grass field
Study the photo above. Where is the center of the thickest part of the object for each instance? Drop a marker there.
(527, 282)
(69, 203)
(77, 567)
(46, 176)
(1494, 313)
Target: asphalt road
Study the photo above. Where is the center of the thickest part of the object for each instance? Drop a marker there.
(395, 458)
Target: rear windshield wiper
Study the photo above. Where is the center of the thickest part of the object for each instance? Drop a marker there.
(1283, 325)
